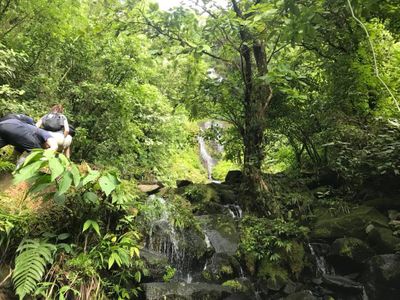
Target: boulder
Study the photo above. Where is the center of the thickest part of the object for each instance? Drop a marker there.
(183, 183)
(226, 193)
(199, 193)
(291, 287)
(234, 177)
(150, 189)
(382, 239)
(382, 277)
(384, 203)
(155, 262)
(348, 254)
(184, 248)
(394, 215)
(222, 232)
(303, 295)
(185, 291)
(342, 284)
(221, 267)
(347, 225)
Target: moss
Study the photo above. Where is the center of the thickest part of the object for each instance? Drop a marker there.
(226, 270)
(235, 285)
(296, 259)
(352, 224)
(272, 270)
(200, 193)
(207, 275)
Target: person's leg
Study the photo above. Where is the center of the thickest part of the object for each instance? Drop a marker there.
(67, 146)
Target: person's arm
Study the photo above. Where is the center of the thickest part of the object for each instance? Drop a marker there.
(66, 127)
(39, 123)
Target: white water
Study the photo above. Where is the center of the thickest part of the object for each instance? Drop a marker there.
(208, 161)
(234, 210)
(206, 158)
(322, 266)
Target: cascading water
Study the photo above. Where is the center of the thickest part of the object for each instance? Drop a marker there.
(234, 210)
(323, 268)
(206, 158)
(208, 161)
(164, 239)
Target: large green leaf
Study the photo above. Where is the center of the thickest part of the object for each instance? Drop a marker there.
(27, 172)
(108, 183)
(65, 183)
(56, 168)
(75, 175)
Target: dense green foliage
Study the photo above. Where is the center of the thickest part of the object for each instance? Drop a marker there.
(303, 89)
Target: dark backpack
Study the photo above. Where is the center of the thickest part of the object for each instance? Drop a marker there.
(53, 122)
(21, 117)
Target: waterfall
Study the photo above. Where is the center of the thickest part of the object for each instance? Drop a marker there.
(206, 158)
(234, 210)
(208, 161)
(163, 237)
(323, 268)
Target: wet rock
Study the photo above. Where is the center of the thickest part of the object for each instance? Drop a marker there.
(234, 177)
(182, 291)
(184, 248)
(394, 215)
(240, 296)
(276, 284)
(199, 193)
(242, 287)
(342, 284)
(303, 295)
(348, 254)
(382, 239)
(382, 277)
(183, 183)
(221, 267)
(222, 232)
(384, 203)
(155, 262)
(150, 189)
(226, 193)
(291, 287)
(348, 225)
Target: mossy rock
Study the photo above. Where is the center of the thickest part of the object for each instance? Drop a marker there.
(384, 203)
(199, 193)
(273, 274)
(222, 232)
(221, 267)
(383, 240)
(382, 276)
(348, 225)
(156, 263)
(348, 254)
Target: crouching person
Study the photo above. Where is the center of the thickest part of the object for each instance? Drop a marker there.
(25, 137)
(56, 123)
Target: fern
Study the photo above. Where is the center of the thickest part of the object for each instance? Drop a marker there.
(30, 265)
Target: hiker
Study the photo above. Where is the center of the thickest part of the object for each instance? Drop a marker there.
(57, 125)
(25, 137)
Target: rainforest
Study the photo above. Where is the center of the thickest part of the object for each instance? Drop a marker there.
(221, 150)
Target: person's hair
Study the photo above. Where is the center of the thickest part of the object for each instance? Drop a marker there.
(58, 108)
